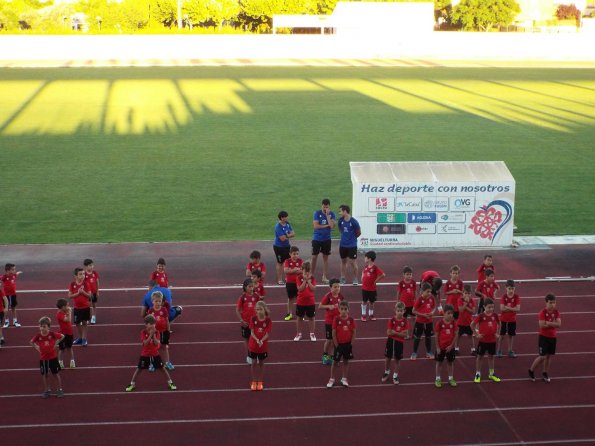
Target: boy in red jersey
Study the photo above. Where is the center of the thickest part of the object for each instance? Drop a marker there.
(343, 336)
(46, 343)
(487, 330)
(255, 264)
(64, 317)
(397, 331)
(433, 278)
(487, 289)
(159, 275)
(406, 289)
(258, 283)
(149, 337)
(292, 268)
(92, 277)
(246, 310)
(258, 347)
(466, 307)
(80, 292)
(488, 263)
(371, 274)
(305, 303)
(453, 290)
(3, 310)
(447, 333)
(9, 280)
(423, 310)
(510, 305)
(161, 315)
(549, 322)
(330, 302)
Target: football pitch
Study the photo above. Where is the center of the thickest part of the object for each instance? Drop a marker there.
(213, 153)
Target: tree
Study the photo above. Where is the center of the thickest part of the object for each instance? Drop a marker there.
(568, 12)
(485, 14)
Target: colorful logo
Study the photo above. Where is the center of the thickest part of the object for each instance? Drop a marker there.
(489, 220)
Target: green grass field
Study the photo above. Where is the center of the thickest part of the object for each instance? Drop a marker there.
(164, 154)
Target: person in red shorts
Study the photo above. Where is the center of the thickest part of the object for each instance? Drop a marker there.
(258, 346)
(488, 263)
(161, 314)
(255, 264)
(330, 302)
(64, 317)
(80, 293)
(549, 322)
(46, 343)
(344, 330)
(92, 277)
(424, 309)
(305, 307)
(371, 274)
(9, 280)
(510, 305)
(149, 338)
(433, 278)
(3, 311)
(292, 268)
(447, 333)
(246, 310)
(466, 307)
(397, 331)
(406, 290)
(488, 289)
(453, 289)
(487, 330)
(159, 275)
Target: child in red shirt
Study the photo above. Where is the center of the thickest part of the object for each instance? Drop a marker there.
(246, 310)
(46, 343)
(371, 274)
(3, 309)
(305, 307)
(453, 289)
(487, 289)
(423, 310)
(343, 336)
(330, 302)
(406, 290)
(256, 264)
(466, 307)
(256, 277)
(64, 317)
(9, 280)
(80, 293)
(487, 330)
(149, 337)
(447, 333)
(510, 305)
(433, 278)
(488, 263)
(397, 331)
(258, 346)
(549, 322)
(159, 275)
(161, 314)
(92, 277)
(292, 268)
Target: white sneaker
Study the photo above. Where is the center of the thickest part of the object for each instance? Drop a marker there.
(15, 323)
(298, 337)
(331, 383)
(93, 320)
(61, 363)
(312, 337)
(248, 360)
(6, 324)
(344, 382)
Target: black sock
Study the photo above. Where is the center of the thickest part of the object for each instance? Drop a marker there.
(428, 344)
(415, 344)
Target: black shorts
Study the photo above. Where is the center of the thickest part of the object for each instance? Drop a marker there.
(408, 312)
(308, 311)
(246, 332)
(145, 361)
(94, 298)
(393, 349)
(2, 318)
(324, 247)
(66, 342)
(450, 356)
(369, 296)
(260, 356)
(455, 315)
(328, 331)
(281, 253)
(164, 337)
(344, 351)
(348, 253)
(291, 288)
(81, 315)
(547, 346)
(420, 328)
(49, 365)
(486, 347)
(465, 330)
(508, 328)
(12, 301)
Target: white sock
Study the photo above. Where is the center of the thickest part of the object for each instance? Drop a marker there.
(364, 309)
(437, 378)
(371, 311)
(450, 378)
(387, 371)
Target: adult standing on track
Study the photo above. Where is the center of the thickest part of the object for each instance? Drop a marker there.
(324, 222)
(350, 231)
(281, 245)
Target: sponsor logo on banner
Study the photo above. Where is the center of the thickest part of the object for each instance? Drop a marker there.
(421, 229)
(383, 217)
(390, 229)
(451, 228)
(435, 204)
(452, 217)
(409, 204)
(421, 217)
(462, 203)
(490, 219)
(380, 204)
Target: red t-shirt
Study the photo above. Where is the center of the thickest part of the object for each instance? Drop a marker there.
(259, 329)
(429, 276)
(292, 277)
(246, 305)
(481, 272)
(65, 326)
(487, 326)
(465, 316)
(160, 318)
(329, 299)
(150, 349)
(453, 299)
(259, 266)
(306, 296)
(259, 288)
(92, 279)
(445, 333)
(509, 316)
(10, 283)
(160, 278)
(487, 289)
(369, 276)
(344, 329)
(399, 326)
(424, 305)
(548, 316)
(407, 292)
(80, 300)
(47, 345)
